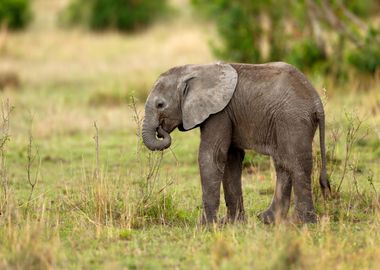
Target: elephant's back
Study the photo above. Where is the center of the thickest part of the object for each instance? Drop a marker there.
(268, 94)
(275, 83)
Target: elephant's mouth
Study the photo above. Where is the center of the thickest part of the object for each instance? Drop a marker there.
(160, 132)
(167, 125)
(155, 137)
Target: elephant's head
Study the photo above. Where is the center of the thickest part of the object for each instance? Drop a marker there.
(184, 97)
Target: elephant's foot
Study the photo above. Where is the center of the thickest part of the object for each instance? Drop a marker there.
(270, 216)
(267, 217)
(232, 219)
(207, 220)
(306, 217)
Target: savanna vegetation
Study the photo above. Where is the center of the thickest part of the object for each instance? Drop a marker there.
(327, 37)
(15, 14)
(124, 15)
(78, 190)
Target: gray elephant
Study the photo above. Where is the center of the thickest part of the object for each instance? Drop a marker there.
(270, 108)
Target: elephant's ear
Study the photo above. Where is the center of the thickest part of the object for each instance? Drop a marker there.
(206, 89)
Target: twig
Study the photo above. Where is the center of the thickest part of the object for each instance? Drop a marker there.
(138, 120)
(165, 186)
(31, 157)
(96, 139)
(34, 199)
(151, 172)
(6, 110)
(370, 181)
(82, 212)
(351, 138)
(336, 133)
(353, 170)
(151, 178)
(174, 155)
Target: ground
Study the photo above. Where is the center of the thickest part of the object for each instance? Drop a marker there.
(102, 201)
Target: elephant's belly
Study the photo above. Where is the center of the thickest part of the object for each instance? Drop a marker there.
(253, 140)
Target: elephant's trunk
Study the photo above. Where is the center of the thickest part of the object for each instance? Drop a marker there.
(150, 139)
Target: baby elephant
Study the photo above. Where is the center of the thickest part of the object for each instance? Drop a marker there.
(271, 108)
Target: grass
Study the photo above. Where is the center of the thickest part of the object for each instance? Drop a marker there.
(136, 209)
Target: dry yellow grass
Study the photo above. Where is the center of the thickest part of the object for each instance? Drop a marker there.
(49, 53)
(47, 56)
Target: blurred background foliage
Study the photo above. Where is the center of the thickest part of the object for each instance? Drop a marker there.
(315, 35)
(318, 36)
(124, 15)
(15, 14)
(99, 188)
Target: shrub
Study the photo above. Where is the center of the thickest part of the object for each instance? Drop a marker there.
(296, 31)
(236, 32)
(306, 55)
(367, 59)
(15, 14)
(125, 15)
(238, 28)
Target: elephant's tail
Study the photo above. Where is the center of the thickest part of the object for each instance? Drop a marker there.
(323, 180)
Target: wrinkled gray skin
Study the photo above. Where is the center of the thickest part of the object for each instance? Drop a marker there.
(271, 108)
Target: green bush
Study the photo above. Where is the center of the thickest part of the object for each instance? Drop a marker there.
(237, 26)
(240, 27)
(15, 14)
(306, 55)
(125, 15)
(367, 59)
(361, 8)
(236, 32)
(292, 34)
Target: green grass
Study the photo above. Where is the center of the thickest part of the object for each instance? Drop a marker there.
(124, 219)
(141, 210)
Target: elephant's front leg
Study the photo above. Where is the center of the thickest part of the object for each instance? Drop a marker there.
(232, 185)
(213, 150)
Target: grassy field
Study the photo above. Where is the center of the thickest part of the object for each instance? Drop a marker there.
(79, 196)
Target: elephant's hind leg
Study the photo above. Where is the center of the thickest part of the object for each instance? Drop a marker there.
(304, 206)
(281, 197)
(232, 185)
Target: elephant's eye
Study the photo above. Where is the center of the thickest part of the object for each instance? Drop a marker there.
(160, 105)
